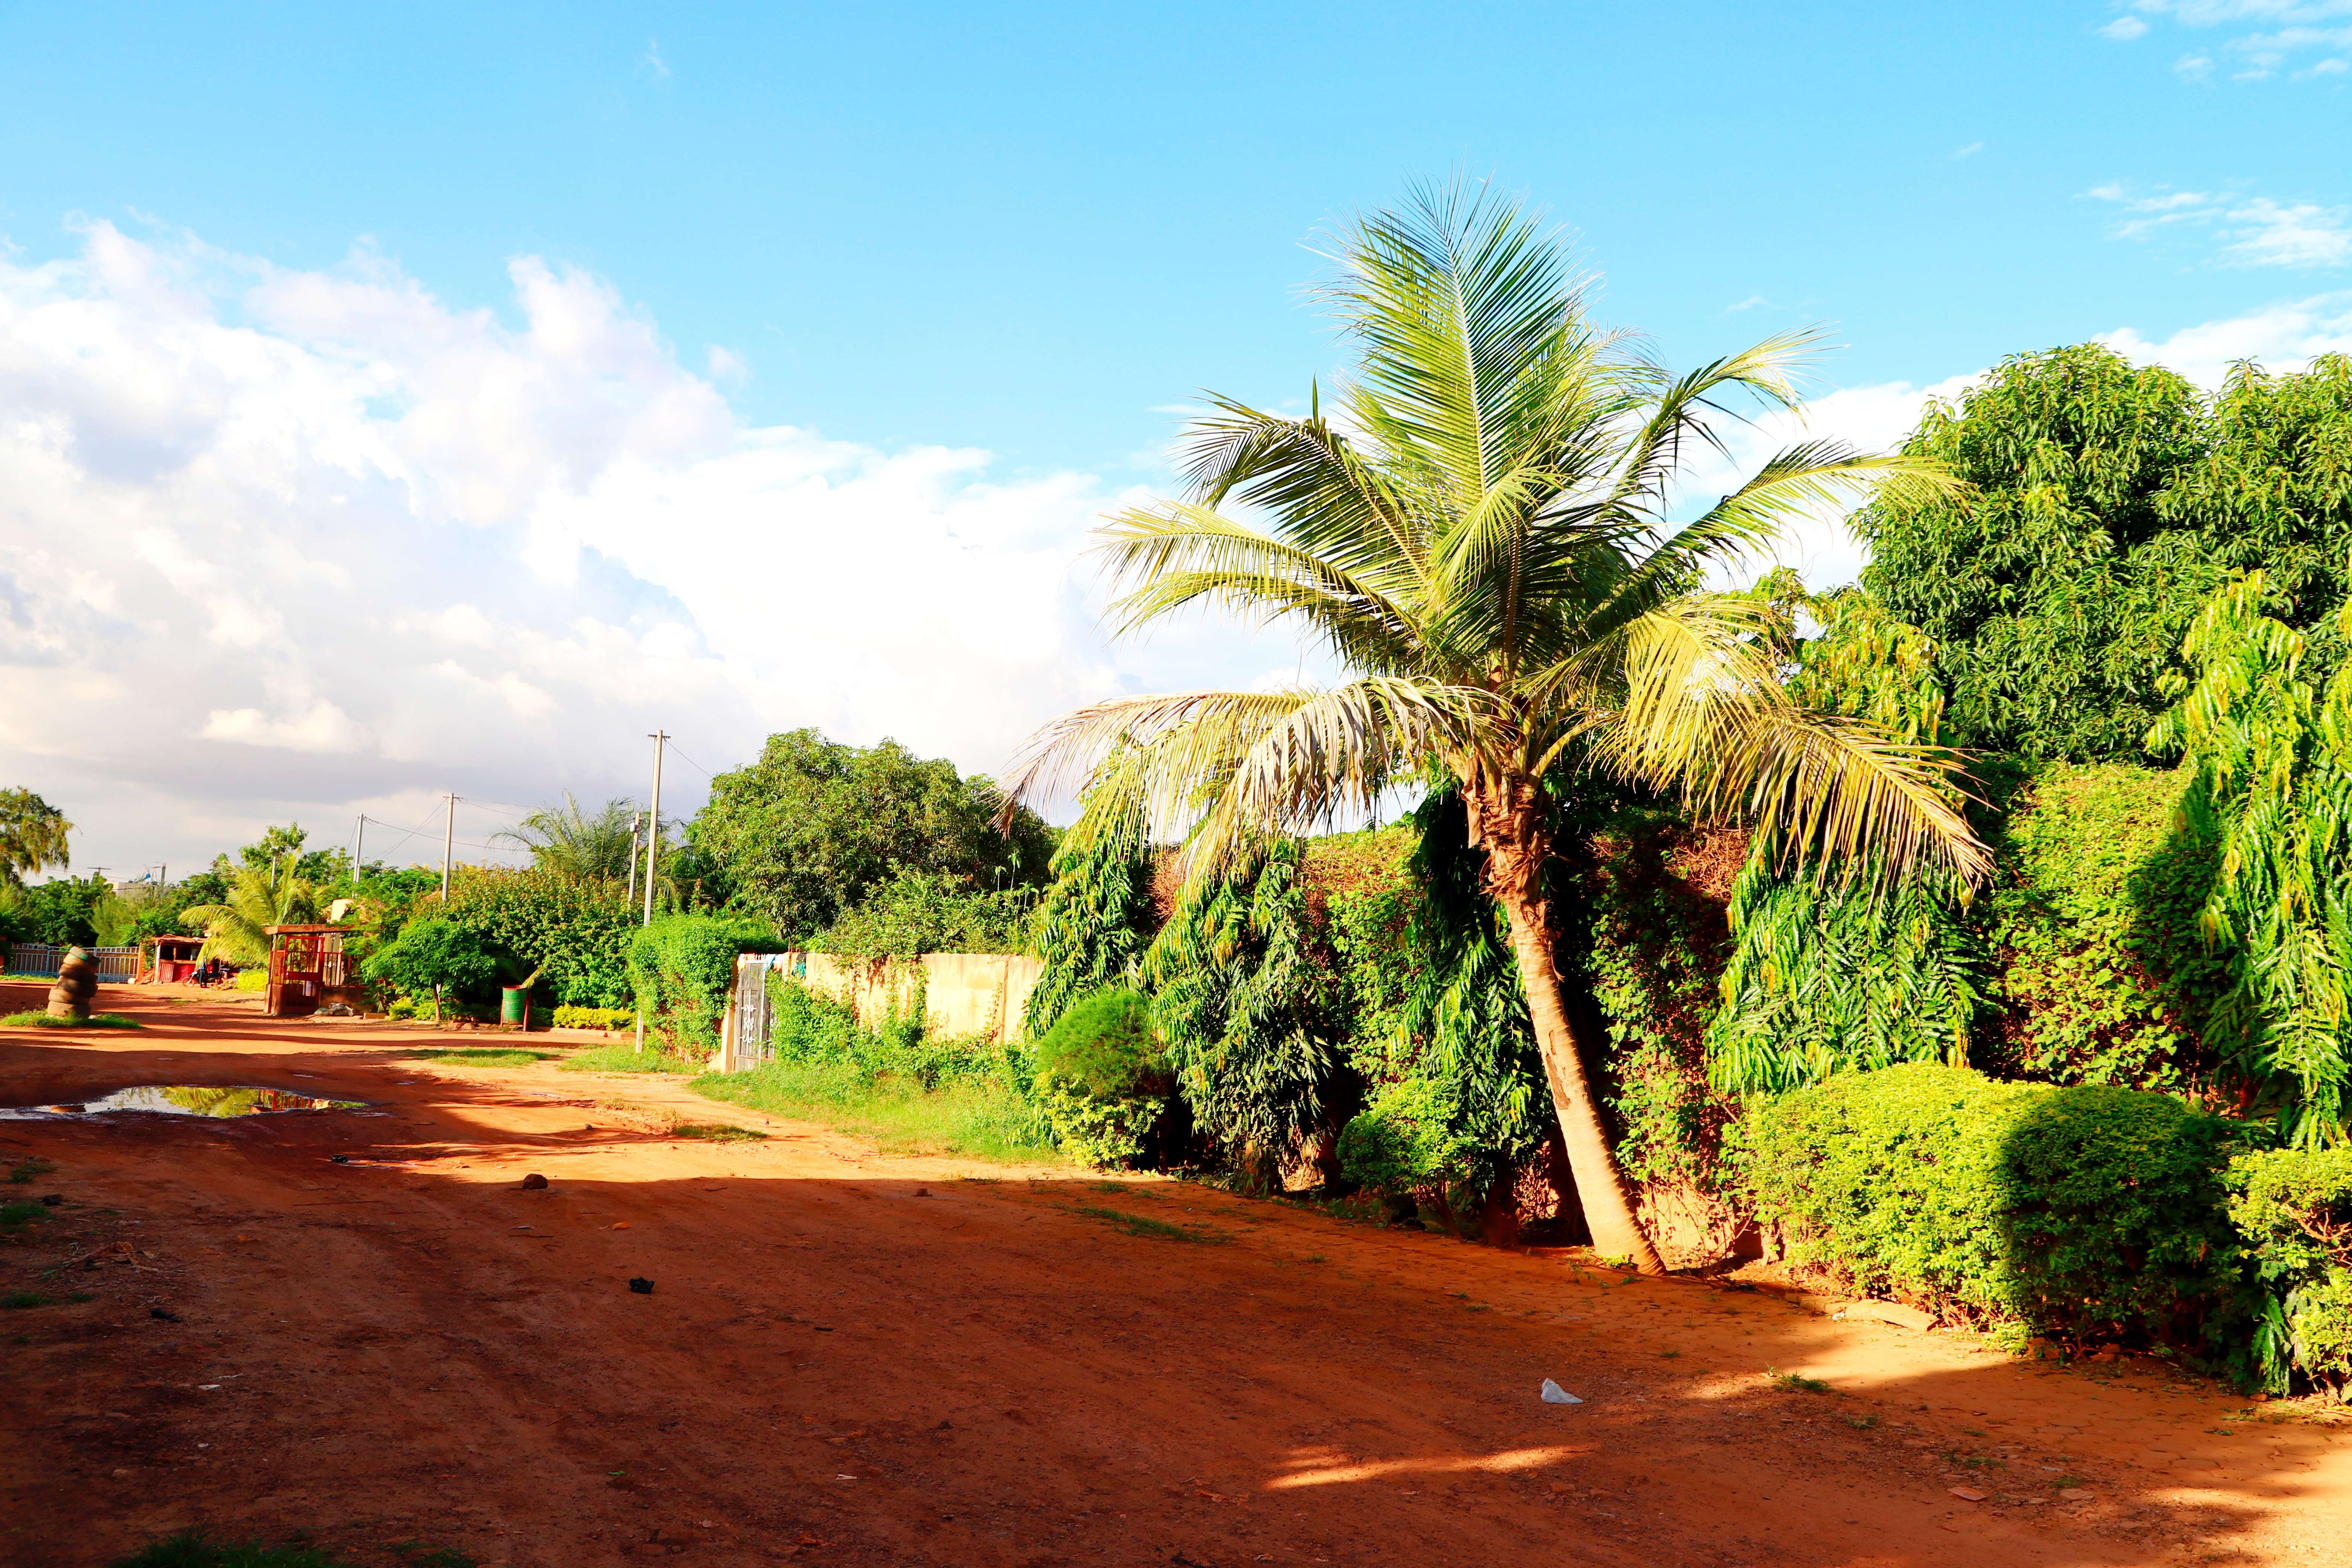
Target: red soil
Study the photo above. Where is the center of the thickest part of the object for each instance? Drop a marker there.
(861, 1360)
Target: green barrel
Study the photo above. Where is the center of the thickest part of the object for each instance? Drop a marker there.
(514, 1005)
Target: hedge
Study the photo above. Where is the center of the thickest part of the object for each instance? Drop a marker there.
(681, 967)
(2093, 1212)
(2294, 1206)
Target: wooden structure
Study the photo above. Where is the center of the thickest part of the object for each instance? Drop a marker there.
(308, 970)
(176, 958)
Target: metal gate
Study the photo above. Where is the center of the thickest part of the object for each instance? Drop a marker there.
(750, 1016)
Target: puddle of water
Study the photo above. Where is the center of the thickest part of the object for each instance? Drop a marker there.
(186, 1100)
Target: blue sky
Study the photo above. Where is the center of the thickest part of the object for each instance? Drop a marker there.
(1023, 232)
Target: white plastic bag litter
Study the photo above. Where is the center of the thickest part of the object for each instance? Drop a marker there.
(1553, 1394)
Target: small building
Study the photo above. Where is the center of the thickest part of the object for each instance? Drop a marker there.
(308, 970)
(176, 958)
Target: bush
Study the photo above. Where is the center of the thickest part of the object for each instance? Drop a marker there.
(2295, 1208)
(1102, 1077)
(431, 957)
(2090, 1211)
(255, 979)
(569, 1017)
(681, 967)
(575, 931)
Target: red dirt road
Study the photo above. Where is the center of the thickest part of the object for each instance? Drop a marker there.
(860, 1360)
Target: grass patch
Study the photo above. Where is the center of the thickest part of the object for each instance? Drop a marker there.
(95, 1021)
(1796, 1381)
(981, 1117)
(193, 1549)
(1142, 1224)
(1862, 1423)
(478, 1055)
(16, 1216)
(716, 1132)
(626, 1057)
(32, 1169)
(18, 1300)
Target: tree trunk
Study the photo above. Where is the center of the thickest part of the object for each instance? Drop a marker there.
(1506, 821)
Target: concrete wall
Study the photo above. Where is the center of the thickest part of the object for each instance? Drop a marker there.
(983, 994)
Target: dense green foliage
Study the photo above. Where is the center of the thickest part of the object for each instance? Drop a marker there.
(2101, 976)
(33, 834)
(2294, 1207)
(1102, 1074)
(916, 912)
(1441, 1033)
(1652, 943)
(574, 933)
(1239, 994)
(681, 968)
(572, 841)
(800, 837)
(2088, 1212)
(60, 911)
(2106, 503)
(435, 958)
(1095, 917)
(2273, 792)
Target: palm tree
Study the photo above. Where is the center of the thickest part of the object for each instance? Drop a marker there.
(32, 834)
(260, 894)
(567, 840)
(1480, 535)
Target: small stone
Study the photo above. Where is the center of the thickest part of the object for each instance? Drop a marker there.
(535, 1183)
(120, 1474)
(1966, 1494)
(2074, 1494)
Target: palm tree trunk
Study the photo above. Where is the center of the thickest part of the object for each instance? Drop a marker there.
(1506, 821)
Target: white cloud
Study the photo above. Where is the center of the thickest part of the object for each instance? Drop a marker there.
(1749, 303)
(2261, 53)
(1971, 151)
(2257, 231)
(282, 544)
(2283, 337)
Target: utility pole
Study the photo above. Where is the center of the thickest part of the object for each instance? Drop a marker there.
(359, 849)
(660, 738)
(637, 823)
(448, 842)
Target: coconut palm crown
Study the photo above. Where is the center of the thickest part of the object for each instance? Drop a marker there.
(260, 895)
(1480, 534)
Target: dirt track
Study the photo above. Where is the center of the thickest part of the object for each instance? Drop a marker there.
(860, 1360)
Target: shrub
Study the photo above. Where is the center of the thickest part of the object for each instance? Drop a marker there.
(2093, 1212)
(571, 1018)
(2295, 1208)
(431, 957)
(575, 931)
(251, 980)
(1103, 1078)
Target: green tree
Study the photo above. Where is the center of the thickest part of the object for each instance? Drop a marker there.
(436, 956)
(2273, 789)
(32, 835)
(573, 842)
(261, 893)
(803, 834)
(1483, 537)
(2106, 503)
